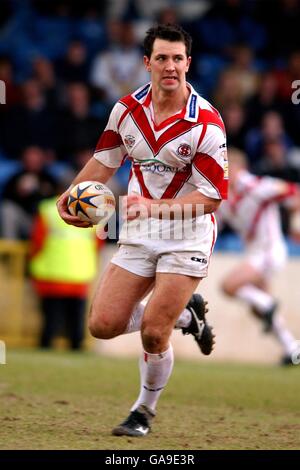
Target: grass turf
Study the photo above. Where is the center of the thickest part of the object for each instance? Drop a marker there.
(64, 400)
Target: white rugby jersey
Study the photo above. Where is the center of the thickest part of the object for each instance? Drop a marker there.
(252, 210)
(184, 153)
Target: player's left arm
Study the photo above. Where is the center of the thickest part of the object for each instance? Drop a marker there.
(187, 206)
(277, 190)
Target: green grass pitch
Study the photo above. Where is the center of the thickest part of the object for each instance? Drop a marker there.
(62, 400)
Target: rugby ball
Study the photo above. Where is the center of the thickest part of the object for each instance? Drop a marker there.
(92, 202)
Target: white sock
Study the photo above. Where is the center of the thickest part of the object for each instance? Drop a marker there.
(284, 336)
(135, 320)
(184, 319)
(263, 302)
(155, 370)
(255, 297)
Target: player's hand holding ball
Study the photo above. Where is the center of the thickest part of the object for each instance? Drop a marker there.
(86, 204)
(92, 202)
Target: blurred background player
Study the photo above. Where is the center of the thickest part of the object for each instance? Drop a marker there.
(252, 211)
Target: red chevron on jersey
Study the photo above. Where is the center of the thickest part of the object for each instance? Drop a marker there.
(143, 187)
(180, 178)
(211, 171)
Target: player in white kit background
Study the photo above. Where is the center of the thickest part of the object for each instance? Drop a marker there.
(252, 210)
(176, 142)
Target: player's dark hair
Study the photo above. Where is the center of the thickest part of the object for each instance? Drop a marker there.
(169, 32)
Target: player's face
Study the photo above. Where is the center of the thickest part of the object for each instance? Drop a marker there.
(168, 64)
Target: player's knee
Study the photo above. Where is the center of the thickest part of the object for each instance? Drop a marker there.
(100, 328)
(228, 289)
(98, 331)
(153, 338)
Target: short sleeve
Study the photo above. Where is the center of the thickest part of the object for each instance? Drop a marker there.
(110, 149)
(210, 164)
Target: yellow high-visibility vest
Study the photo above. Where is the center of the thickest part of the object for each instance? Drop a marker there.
(69, 253)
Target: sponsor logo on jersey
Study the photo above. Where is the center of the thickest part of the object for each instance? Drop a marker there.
(129, 140)
(184, 150)
(161, 168)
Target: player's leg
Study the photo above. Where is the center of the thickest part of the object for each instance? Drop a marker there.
(141, 263)
(119, 292)
(156, 363)
(191, 320)
(285, 338)
(248, 284)
(242, 275)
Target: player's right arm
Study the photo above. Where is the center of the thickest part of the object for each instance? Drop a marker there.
(108, 157)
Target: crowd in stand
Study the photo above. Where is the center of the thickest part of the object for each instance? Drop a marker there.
(64, 64)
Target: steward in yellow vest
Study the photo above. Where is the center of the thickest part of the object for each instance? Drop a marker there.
(63, 263)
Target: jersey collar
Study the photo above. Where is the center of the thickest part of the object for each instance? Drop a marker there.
(143, 96)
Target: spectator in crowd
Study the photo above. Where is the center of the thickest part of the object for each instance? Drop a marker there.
(74, 67)
(244, 66)
(77, 128)
(277, 161)
(168, 15)
(271, 128)
(234, 120)
(44, 73)
(228, 90)
(22, 193)
(286, 14)
(120, 69)
(32, 120)
(233, 21)
(264, 100)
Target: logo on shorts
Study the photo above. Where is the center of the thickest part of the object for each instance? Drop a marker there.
(199, 260)
(184, 150)
(129, 140)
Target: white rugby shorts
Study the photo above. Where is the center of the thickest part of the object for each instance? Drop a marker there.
(146, 261)
(267, 261)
